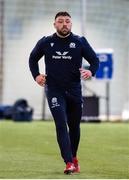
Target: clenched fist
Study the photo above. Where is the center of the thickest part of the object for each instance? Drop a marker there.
(85, 74)
(41, 79)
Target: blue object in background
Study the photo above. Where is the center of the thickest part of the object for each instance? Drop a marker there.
(5, 111)
(105, 70)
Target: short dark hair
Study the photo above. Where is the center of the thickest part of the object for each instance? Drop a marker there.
(62, 13)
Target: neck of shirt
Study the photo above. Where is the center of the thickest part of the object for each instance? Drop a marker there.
(62, 36)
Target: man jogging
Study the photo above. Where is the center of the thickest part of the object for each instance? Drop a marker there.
(63, 52)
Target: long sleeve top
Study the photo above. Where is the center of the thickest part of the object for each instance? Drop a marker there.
(63, 58)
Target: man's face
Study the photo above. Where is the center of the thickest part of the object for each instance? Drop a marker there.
(63, 25)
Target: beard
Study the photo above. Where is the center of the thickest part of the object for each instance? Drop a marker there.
(64, 32)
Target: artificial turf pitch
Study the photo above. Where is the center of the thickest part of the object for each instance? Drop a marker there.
(29, 150)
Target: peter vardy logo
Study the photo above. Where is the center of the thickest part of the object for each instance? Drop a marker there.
(62, 55)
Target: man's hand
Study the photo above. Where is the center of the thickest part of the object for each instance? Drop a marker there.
(85, 74)
(41, 79)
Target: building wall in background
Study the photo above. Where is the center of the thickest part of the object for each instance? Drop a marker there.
(107, 26)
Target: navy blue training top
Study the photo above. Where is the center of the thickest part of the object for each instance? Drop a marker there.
(63, 58)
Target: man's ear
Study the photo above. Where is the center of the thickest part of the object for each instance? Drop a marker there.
(54, 24)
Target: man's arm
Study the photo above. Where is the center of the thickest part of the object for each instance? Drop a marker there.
(35, 56)
(89, 54)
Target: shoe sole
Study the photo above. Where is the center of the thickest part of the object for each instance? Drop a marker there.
(68, 172)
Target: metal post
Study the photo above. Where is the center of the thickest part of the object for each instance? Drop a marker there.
(44, 104)
(83, 16)
(107, 99)
(83, 28)
(1, 46)
(128, 61)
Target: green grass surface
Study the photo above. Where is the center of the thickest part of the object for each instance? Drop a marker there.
(30, 150)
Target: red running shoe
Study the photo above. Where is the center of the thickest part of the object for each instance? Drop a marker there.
(69, 168)
(76, 165)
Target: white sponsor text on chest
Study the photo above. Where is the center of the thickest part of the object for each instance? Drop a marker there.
(60, 55)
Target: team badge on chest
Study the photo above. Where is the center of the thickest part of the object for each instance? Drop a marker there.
(72, 45)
